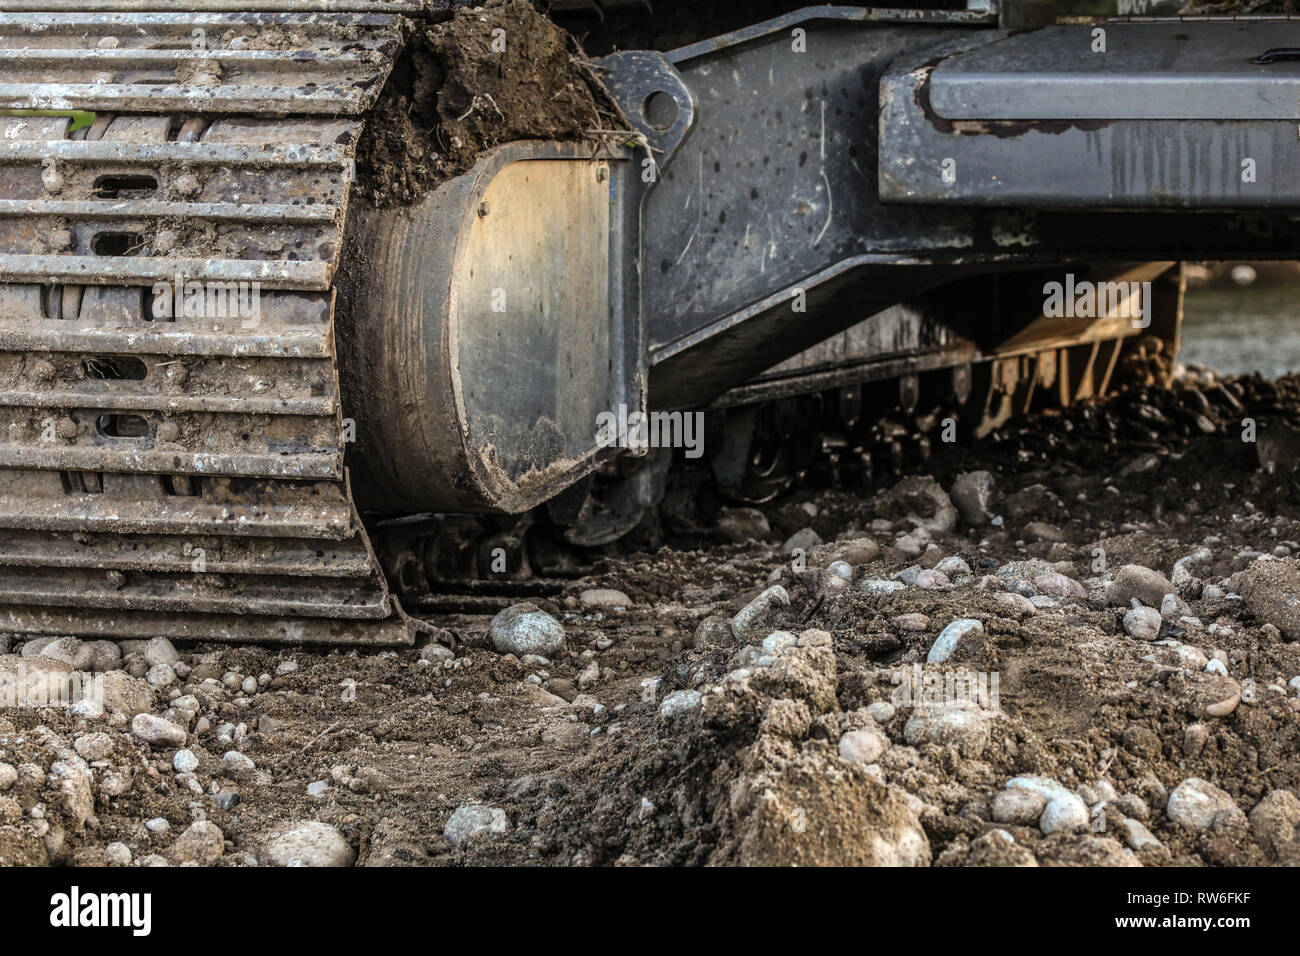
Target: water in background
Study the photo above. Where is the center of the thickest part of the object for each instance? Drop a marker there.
(1238, 331)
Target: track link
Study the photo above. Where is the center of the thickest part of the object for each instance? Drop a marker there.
(171, 435)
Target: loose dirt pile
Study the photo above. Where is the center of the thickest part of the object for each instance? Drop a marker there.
(853, 713)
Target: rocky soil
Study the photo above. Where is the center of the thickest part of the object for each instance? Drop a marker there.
(1074, 642)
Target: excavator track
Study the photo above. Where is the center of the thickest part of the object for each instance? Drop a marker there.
(173, 192)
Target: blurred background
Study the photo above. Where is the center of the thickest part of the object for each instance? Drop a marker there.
(1240, 317)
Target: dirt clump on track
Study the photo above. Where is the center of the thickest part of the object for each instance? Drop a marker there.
(478, 78)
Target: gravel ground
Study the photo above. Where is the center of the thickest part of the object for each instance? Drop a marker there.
(1073, 643)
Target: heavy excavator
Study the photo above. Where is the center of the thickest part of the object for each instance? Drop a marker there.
(237, 407)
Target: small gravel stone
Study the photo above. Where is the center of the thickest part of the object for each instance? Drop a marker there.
(1198, 803)
(1275, 824)
(1018, 807)
(753, 616)
(203, 843)
(951, 636)
(526, 629)
(1137, 836)
(863, 746)
(607, 598)
(157, 731)
(160, 651)
(160, 676)
(912, 622)
(1142, 623)
(436, 653)
(877, 586)
(92, 747)
(963, 729)
(1017, 603)
(778, 641)
(679, 702)
(470, 820)
(841, 569)
(1063, 813)
(882, 711)
(803, 540)
(973, 494)
(1058, 585)
(1134, 581)
(953, 567)
(185, 761)
(238, 762)
(305, 843)
(117, 854)
(1270, 590)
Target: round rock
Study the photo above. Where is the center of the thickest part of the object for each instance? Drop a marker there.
(863, 746)
(1198, 803)
(305, 843)
(526, 629)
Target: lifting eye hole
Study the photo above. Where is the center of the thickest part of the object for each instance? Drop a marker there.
(122, 426)
(119, 368)
(660, 110)
(117, 244)
(125, 187)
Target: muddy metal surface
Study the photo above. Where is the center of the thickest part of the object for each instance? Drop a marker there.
(667, 725)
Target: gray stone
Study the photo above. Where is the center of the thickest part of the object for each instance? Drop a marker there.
(305, 843)
(752, 618)
(1065, 812)
(973, 494)
(203, 843)
(953, 567)
(1142, 623)
(879, 587)
(1134, 581)
(526, 629)
(160, 651)
(157, 732)
(1137, 836)
(1270, 590)
(607, 598)
(950, 637)
(1275, 824)
(185, 761)
(965, 730)
(805, 539)
(237, 762)
(470, 820)
(93, 746)
(1018, 807)
(680, 702)
(1198, 804)
(863, 746)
